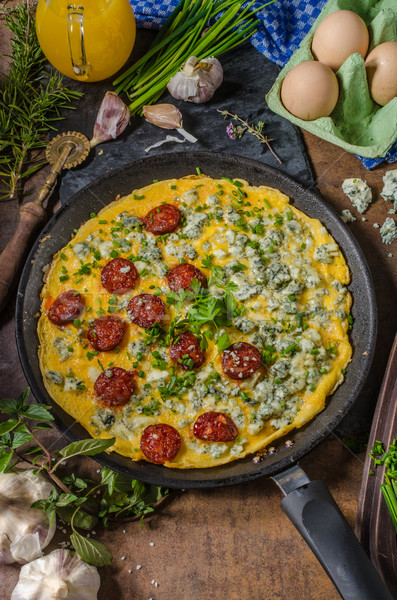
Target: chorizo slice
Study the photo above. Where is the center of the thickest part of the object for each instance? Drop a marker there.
(186, 351)
(105, 333)
(215, 427)
(241, 360)
(66, 307)
(162, 219)
(160, 443)
(114, 387)
(182, 275)
(119, 276)
(146, 309)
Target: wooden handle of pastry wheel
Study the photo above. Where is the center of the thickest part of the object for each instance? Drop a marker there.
(31, 215)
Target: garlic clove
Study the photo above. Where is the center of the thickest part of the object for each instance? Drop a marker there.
(216, 70)
(112, 118)
(26, 547)
(62, 574)
(24, 531)
(166, 116)
(183, 87)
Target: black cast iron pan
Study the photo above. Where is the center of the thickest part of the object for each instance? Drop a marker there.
(303, 498)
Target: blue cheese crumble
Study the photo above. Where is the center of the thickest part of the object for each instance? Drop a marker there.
(389, 192)
(388, 231)
(358, 193)
(347, 217)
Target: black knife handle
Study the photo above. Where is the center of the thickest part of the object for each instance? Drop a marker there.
(316, 516)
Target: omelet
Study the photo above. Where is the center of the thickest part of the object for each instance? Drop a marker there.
(196, 321)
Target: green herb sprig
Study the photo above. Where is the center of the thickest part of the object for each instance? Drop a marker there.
(237, 132)
(81, 502)
(30, 101)
(185, 34)
(389, 488)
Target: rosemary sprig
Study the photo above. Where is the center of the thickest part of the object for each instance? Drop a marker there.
(236, 133)
(186, 34)
(80, 501)
(30, 101)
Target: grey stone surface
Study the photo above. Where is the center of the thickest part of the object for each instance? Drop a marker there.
(247, 78)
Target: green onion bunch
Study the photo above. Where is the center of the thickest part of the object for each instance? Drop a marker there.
(187, 33)
(389, 487)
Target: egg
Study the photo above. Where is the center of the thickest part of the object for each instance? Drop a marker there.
(381, 67)
(339, 35)
(310, 90)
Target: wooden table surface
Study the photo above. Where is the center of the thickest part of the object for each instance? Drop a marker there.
(235, 543)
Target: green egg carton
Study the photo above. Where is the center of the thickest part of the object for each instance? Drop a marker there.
(357, 123)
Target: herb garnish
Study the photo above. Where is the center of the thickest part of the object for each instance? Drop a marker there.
(389, 488)
(30, 100)
(237, 132)
(79, 501)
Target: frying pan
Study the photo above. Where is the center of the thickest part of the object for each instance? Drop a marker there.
(308, 504)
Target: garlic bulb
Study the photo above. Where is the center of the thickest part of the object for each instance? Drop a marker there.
(60, 574)
(24, 531)
(112, 118)
(197, 81)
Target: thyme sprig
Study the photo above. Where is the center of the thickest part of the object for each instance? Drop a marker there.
(79, 501)
(30, 101)
(237, 132)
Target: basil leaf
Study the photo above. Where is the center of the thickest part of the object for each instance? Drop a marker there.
(23, 398)
(20, 438)
(9, 406)
(86, 447)
(223, 342)
(109, 477)
(37, 411)
(5, 458)
(91, 551)
(8, 425)
(65, 499)
(81, 519)
(43, 426)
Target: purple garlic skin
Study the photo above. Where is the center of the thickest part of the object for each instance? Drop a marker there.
(197, 81)
(112, 118)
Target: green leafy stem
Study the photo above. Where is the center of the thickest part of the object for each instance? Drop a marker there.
(389, 487)
(79, 501)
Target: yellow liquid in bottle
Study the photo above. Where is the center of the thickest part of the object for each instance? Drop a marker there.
(109, 36)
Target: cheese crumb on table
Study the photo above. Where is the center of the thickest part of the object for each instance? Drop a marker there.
(347, 217)
(388, 231)
(389, 192)
(358, 193)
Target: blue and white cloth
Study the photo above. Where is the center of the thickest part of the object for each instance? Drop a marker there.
(283, 25)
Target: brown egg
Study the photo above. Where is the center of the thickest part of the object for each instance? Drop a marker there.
(310, 90)
(381, 66)
(339, 35)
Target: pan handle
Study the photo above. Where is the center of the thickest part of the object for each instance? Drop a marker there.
(316, 516)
